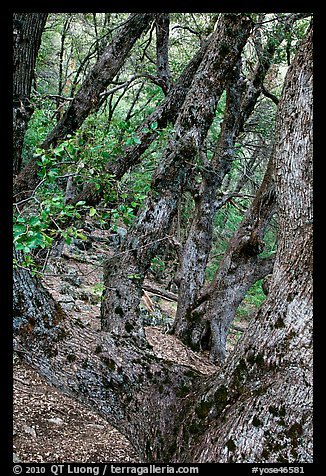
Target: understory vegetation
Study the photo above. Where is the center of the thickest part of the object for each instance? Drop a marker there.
(153, 150)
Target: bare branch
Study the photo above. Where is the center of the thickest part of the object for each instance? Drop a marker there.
(270, 95)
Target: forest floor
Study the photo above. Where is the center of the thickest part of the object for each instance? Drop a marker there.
(50, 427)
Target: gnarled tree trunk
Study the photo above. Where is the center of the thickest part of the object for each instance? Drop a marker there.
(242, 96)
(268, 380)
(123, 275)
(207, 319)
(258, 407)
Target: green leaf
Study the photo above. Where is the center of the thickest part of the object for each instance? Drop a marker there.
(47, 240)
(35, 241)
(81, 236)
(19, 229)
(34, 221)
(52, 174)
(92, 212)
(71, 149)
(134, 276)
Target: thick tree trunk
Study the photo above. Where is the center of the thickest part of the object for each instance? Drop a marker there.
(208, 318)
(33, 305)
(270, 375)
(258, 407)
(261, 410)
(27, 30)
(123, 276)
(241, 99)
(120, 377)
(88, 97)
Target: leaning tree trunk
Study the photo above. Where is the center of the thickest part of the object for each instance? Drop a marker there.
(190, 276)
(241, 100)
(122, 379)
(206, 320)
(164, 113)
(239, 269)
(258, 407)
(28, 28)
(261, 410)
(87, 99)
(123, 275)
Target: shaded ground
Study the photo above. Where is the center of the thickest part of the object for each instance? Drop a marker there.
(51, 427)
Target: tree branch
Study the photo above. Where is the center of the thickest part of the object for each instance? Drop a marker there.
(269, 95)
(160, 292)
(88, 97)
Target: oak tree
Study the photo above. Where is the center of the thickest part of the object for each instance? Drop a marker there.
(257, 407)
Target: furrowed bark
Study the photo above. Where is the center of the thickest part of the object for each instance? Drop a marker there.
(258, 408)
(123, 277)
(88, 97)
(241, 99)
(209, 319)
(27, 30)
